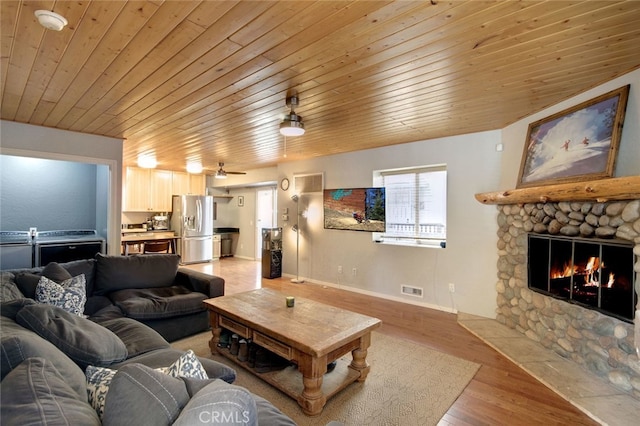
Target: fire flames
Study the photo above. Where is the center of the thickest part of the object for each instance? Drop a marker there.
(589, 271)
(565, 271)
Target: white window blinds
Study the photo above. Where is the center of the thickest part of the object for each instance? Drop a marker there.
(416, 205)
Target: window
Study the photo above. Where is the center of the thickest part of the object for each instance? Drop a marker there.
(416, 205)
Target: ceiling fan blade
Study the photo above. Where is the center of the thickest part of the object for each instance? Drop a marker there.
(236, 173)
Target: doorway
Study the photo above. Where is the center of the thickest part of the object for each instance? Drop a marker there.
(266, 215)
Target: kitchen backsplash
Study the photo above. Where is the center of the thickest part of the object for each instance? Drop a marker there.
(138, 218)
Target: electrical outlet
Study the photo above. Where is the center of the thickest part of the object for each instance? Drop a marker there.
(354, 272)
(339, 269)
(452, 288)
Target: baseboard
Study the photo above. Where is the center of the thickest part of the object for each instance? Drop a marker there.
(375, 294)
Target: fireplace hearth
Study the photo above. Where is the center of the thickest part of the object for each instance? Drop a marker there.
(596, 274)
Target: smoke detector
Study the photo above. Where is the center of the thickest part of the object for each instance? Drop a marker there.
(51, 20)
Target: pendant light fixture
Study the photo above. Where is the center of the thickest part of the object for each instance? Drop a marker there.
(51, 20)
(292, 124)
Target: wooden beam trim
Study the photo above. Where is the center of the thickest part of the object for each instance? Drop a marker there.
(621, 188)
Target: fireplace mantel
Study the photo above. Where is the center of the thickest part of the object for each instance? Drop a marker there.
(622, 188)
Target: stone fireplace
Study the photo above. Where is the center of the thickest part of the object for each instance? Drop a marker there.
(604, 344)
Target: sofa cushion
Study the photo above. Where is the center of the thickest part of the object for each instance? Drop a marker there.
(27, 283)
(69, 295)
(97, 303)
(18, 344)
(11, 308)
(36, 393)
(158, 303)
(55, 272)
(84, 341)
(270, 415)
(110, 311)
(8, 287)
(28, 280)
(99, 379)
(82, 266)
(135, 386)
(122, 272)
(219, 402)
(137, 337)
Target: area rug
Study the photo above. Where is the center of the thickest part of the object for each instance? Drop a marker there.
(409, 384)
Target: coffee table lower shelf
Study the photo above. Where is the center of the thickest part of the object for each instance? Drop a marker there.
(289, 379)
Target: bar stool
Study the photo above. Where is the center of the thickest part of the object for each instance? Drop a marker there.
(161, 246)
(131, 248)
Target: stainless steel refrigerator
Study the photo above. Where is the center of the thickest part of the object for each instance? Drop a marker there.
(192, 221)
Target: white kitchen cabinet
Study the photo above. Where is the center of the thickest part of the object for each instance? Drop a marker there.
(147, 190)
(198, 184)
(188, 184)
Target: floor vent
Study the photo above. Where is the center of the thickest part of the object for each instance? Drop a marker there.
(308, 183)
(411, 291)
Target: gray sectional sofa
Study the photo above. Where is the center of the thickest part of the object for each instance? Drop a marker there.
(152, 289)
(51, 355)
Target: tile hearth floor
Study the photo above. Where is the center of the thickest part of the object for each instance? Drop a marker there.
(590, 393)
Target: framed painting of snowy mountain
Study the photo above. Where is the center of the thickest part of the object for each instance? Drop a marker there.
(577, 144)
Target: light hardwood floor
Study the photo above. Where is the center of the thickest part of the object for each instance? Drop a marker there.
(501, 393)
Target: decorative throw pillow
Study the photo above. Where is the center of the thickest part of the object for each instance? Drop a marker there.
(98, 382)
(99, 379)
(188, 365)
(69, 295)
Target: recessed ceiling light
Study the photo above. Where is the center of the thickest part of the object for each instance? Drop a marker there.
(147, 161)
(194, 167)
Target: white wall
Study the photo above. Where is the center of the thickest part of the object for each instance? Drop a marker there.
(469, 259)
(43, 142)
(628, 162)
(230, 214)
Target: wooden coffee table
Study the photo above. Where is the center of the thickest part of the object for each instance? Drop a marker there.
(310, 334)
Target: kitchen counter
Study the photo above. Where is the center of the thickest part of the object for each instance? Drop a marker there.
(132, 239)
(227, 236)
(143, 230)
(226, 230)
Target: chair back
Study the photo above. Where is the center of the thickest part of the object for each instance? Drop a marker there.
(161, 246)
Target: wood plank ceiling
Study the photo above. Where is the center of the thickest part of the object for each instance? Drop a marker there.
(207, 80)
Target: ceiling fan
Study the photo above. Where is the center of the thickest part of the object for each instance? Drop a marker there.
(222, 173)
